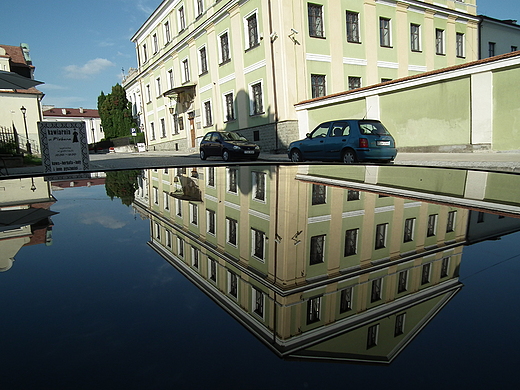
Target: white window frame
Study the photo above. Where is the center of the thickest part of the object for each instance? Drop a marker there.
(247, 44)
(229, 280)
(208, 120)
(224, 105)
(196, 10)
(462, 52)
(157, 231)
(167, 32)
(357, 23)
(166, 200)
(155, 41)
(385, 235)
(314, 301)
(171, 78)
(195, 255)
(228, 181)
(199, 50)
(407, 279)
(210, 262)
(381, 286)
(208, 169)
(254, 180)
(412, 230)
(178, 208)
(221, 60)
(419, 46)
(209, 214)
(251, 97)
(168, 238)
(145, 53)
(254, 297)
(253, 244)
(180, 247)
(435, 221)
(356, 230)
(442, 49)
(228, 230)
(158, 87)
(185, 70)
(181, 17)
(148, 93)
(389, 32)
(155, 195)
(194, 214)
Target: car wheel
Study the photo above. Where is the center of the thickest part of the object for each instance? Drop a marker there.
(349, 156)
(203, 155)
(296, 156)
(225, 155)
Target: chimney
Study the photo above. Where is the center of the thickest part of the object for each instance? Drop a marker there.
(64, 111)
(81, 111)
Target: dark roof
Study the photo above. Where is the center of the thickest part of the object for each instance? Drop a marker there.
(16, 56)
(71, 112)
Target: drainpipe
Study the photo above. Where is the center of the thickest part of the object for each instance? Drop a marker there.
(275, 98)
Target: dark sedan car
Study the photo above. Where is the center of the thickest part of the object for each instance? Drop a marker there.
(228, 145)
(347, 140)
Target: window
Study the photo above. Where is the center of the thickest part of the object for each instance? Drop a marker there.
(186, 70)
(439, 41)
(402, 282)
(210, 221)
(168, 239)
(353, 27)
(207, 114)
(148, 93)
(210, 176)
(399, 324)
(431, 230)
(257, 105)
(229, 107)
(450, 225)
(425, 274)
(258, 302)
(258, 238)
(224, 48)
(212, 269)
(180, 247)
(514, 48)
(354, 82)
(445, 264)
(203, 60)
(315, 12)
(166, 200)
(152, 131)
(231, 231)
(259, 186)
(199, 7)
(252, 31)
(313, 310)
(381, 230)
(167, 35)
(145, 53)
(232, 284)
(157, 231)
(171, 83)
(319, 192)
(384, 80)
(155, 195)
(345, 303)
(155, 44)
(372, 335)
(158, 86)
(460, 45)
(351, 237)
(178, 208)
(491, 49)
(232, 180)
(317, 85)
(352, 195)
(384, 32)
(408, 229)
(163, 128)
(480, 217)
(415, 37)
(194, 214)
(376, 293)
(195, 257)
(317, 249)
(182, 18)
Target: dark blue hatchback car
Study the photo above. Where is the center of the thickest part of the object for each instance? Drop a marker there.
(347, 140)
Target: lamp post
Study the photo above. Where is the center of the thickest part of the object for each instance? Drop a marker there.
(93, 135)
(28, 144)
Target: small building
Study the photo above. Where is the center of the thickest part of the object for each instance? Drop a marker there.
(89, 116)
(497, 36)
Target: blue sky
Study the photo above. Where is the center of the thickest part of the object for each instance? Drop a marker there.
(79, 47)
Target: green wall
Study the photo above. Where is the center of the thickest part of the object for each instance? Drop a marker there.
(506, 110)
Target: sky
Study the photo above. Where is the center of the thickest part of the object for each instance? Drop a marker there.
(82, 47)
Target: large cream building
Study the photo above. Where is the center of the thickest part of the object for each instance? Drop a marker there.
(242, 65)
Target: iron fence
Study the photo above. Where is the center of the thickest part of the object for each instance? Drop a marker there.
(9, 141)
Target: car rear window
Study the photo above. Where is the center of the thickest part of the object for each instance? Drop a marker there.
(374, 128)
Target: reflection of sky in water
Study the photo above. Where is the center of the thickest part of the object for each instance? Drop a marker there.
(100, 309)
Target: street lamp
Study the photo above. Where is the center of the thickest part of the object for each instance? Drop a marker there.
(93, 136)
(28, 144)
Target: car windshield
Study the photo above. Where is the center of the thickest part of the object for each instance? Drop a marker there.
(375, 128)
(233, 137)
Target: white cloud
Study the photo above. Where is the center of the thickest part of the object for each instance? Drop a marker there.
(91, 68)
(51, 87)
(104, 220)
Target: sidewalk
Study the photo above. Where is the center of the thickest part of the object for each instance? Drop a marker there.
(496, 161)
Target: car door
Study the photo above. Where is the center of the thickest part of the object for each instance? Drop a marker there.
(336, 140)
(213, 145)
(313, 147)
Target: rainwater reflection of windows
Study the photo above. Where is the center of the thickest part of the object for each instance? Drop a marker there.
(425, 274)
(352, 195)
(346, 300)
(210, 174)
(258, 302)
(232, 180)
(231, 231)
(258, 243)
(232, 284)
(372, 336)
(210, 218)
(402, 283)
(399, 324)
(212, 269)
(313, 310)
(480, 217)
(376, 293)
(166, 200)
(259, 186)
(194, 214)
(351, 238)
(432, 225)
(195, 257)
(317, 249)
(157, 230)
(168, 239)
(155, 195)
(450, 225)
(445, 267)
(178, 208)
(381, 231)
(408, 229)
(180, 247)
(318, 194)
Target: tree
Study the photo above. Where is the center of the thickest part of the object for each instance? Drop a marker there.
(122, 184)
(115, 112)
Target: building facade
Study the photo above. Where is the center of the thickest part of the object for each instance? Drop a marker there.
(497, 36)
(89, 116)
(242, 65)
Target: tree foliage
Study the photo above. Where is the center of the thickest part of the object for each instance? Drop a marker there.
(122, 184)
(115, 112)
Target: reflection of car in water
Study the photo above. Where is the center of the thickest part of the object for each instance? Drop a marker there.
(345, 140)
(228, 145)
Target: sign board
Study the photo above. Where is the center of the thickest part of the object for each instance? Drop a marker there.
(64, 146)
(134, 131)
(141, 147)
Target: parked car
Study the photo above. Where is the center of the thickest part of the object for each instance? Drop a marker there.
(347, 140)
(228, 145)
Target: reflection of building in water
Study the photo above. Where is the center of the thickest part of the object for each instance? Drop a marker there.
(313, 270)
(78, 180)
(24, 216)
